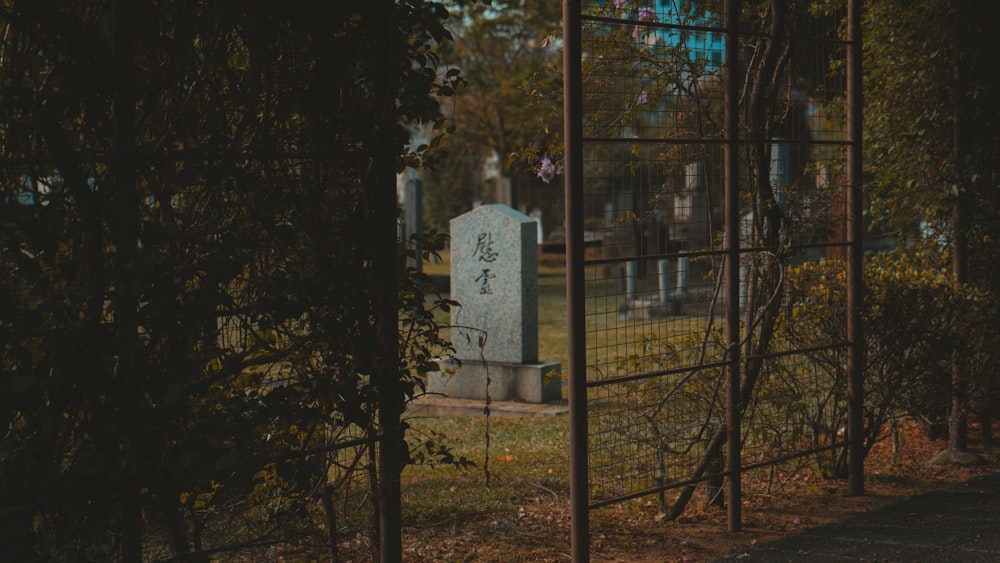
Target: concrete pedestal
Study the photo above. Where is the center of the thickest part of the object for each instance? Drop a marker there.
(529, 383)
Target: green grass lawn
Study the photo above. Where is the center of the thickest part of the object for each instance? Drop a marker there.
(527, 456)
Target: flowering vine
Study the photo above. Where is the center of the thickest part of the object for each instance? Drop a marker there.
(646, 14)
(547, 170)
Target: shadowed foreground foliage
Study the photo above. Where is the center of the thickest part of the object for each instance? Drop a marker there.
(198, 272)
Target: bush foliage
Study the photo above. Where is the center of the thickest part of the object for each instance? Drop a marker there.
(917, 322)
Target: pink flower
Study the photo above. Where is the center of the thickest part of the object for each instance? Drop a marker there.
(547, 170)
(686, 541)
(642, 98)
(645, 15)
(620, 3)
(687, 558)
(796, 520)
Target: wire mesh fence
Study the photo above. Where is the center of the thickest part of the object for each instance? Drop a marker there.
(666, 326)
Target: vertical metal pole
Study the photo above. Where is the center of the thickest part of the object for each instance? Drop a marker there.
(957, 421)
(855, 261)
(126, 237)
(732, 263)
(577, 368)
(384, 211)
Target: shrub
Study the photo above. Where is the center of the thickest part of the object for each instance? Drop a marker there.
(916, 322)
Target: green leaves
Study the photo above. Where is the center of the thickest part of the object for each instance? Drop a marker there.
(228, 354)
(912, 106)
(506, 107)
(915, 320)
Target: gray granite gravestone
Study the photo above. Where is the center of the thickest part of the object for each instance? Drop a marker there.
(494, 278)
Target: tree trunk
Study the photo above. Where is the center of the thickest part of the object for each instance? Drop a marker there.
(332, 523)
(986, 423)
(177, 536)
(764, 293)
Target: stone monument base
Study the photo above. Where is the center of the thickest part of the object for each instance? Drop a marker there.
(528, 383)
(432, 405)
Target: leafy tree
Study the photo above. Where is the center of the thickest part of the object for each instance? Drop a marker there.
(200, 294)
(931, 120)
(510, 105)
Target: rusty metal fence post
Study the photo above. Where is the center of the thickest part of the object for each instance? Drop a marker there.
(855, 291)
(577, 345)
(732, 263)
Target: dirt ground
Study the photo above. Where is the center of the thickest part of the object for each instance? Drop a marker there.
(540, 530)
